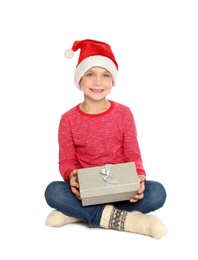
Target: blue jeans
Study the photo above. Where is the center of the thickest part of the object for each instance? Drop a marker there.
(59, 196)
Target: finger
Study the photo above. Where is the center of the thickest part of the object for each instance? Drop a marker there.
(133, 200)
(75, 172)
(74, 183)
(139, 196)
(75, 192)
(141, 190)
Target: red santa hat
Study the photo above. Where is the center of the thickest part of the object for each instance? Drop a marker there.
(92, 53)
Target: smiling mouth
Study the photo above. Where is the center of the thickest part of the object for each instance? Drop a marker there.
(97, 90)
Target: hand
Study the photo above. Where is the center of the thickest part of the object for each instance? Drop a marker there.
(73, 181)
(140, 192)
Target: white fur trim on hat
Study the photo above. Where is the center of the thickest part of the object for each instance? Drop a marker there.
(95, 61)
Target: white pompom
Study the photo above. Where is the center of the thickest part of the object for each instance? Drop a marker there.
(69, 53)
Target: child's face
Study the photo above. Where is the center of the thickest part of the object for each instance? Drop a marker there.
(96, 83)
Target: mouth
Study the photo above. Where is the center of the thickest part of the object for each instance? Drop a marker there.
(96, 90)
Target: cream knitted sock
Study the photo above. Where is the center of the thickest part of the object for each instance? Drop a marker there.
(58, 219)
(134, 222)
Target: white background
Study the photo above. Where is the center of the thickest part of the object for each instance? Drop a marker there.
(155, 44)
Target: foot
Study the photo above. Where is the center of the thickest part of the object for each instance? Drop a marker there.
(58, 219)
(134, 222)
(145, 224)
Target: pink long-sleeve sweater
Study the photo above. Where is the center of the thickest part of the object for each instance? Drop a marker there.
(89, 140)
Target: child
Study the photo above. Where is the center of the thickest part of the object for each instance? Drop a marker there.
(97, 132)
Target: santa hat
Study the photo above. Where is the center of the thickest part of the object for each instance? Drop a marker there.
(93, 53)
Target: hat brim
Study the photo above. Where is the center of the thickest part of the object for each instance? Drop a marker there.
(95, 61)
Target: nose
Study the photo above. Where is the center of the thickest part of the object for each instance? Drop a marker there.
(97, 81)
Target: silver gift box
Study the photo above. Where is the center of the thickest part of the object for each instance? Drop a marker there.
(108, 183)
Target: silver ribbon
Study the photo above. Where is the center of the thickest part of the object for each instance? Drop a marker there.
(106, 170)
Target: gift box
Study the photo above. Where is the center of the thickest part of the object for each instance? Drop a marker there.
(108, 183)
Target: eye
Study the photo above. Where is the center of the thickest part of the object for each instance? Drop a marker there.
(89, 74)
(107, 75)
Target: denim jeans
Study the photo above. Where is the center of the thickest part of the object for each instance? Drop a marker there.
(59, 196)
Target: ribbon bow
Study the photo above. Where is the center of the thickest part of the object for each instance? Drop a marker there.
(106, 170)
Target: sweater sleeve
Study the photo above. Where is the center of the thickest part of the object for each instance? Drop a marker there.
(67, 158)
(130, 143)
